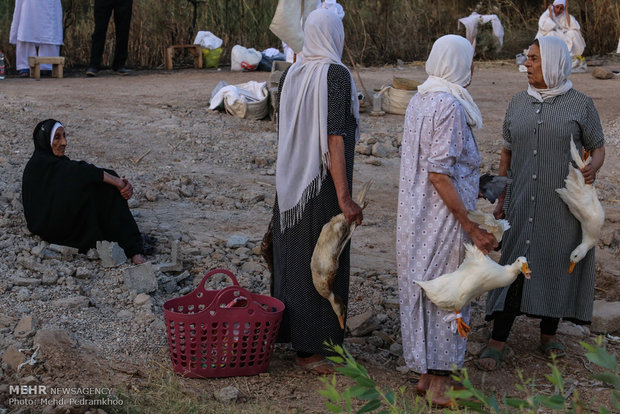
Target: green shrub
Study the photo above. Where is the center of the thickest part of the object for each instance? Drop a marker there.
(387, 401)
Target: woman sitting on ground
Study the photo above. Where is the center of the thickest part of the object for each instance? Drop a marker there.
(74, 203)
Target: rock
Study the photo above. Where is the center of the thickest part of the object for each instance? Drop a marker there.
(25, 281)
(142, 299)
(124, 314)
(92, 254)
(29, 380)
(66, 252)
(570, 329)
(373, 161)
(31, 264)
(25, 327)
(12, 357)
(362, 324)
(39, 249)
(396, 349)
(226, 394)
(133, 202)
(601, 73)
(252, 267)
(363, 148)
(379, 150)
(110, 253)
(24, 294)
(403, 370)
(82, 273)
(151, 195)
(49, 278)
(76, 302)
(175, 264)
(50, 340)
(141, 278)
(187, 190)
(236, 241)
(605, 317)
(7, 321)
(375, 341)
(475, 348)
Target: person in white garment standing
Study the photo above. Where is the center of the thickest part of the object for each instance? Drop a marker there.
(556, 21)
(36, 30)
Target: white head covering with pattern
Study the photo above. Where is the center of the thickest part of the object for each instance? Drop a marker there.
(449, 70)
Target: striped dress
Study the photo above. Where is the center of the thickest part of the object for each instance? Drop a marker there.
(542, 227)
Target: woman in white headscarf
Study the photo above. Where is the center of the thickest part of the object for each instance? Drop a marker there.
(438, 183)
(556, 21)
(539, 125)
(318, 128)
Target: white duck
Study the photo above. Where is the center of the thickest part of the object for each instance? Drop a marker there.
(583, 203)
(489, 223)
(324, 264)
(476, 275)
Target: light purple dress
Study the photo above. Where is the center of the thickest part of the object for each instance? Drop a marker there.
(429, 239)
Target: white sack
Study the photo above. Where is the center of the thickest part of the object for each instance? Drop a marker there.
(288, 20)
(472, 22)
(242, 59)
(207, 40)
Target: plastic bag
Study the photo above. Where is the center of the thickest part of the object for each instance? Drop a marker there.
(208, 40)
(242, 59)
(211, 57)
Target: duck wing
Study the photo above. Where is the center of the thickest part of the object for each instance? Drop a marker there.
(489, 223)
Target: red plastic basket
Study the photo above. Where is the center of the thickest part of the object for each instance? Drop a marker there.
(222, 333)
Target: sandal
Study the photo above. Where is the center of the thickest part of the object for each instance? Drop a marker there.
(314, 366)
(552, 348)
(23, 73)
(492, 353)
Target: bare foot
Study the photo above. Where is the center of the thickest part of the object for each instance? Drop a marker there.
(489, 364)
(316, 364)
(138, 259)
(437, 390)
(424, 383)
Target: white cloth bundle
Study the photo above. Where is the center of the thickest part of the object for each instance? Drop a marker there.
(472, 22)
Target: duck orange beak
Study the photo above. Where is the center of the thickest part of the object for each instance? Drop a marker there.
(341, 321)
(525, 270)
(571, 267)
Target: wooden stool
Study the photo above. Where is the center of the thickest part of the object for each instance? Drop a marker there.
(35, 65)
(195, 50)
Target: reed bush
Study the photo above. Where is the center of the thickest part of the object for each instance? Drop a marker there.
(377, 31)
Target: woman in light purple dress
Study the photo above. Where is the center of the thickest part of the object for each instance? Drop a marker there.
(438, 184)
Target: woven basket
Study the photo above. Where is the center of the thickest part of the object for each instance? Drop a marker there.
(222, 333)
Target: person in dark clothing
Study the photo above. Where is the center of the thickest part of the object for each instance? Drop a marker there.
(74, 203)
(122, 19)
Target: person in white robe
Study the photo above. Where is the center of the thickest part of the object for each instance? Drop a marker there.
(556, 21)
(36, 30)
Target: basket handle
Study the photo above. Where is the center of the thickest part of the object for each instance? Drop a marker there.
(218, 271)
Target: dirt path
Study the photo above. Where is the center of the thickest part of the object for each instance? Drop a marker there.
(204, 176)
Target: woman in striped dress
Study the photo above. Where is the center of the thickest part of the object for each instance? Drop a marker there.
(538, 127)
(318, 128)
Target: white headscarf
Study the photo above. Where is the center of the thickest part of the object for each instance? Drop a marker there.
(449, 70)
(556, 66)
(562, 2)
(54, 128)
(303, 152)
